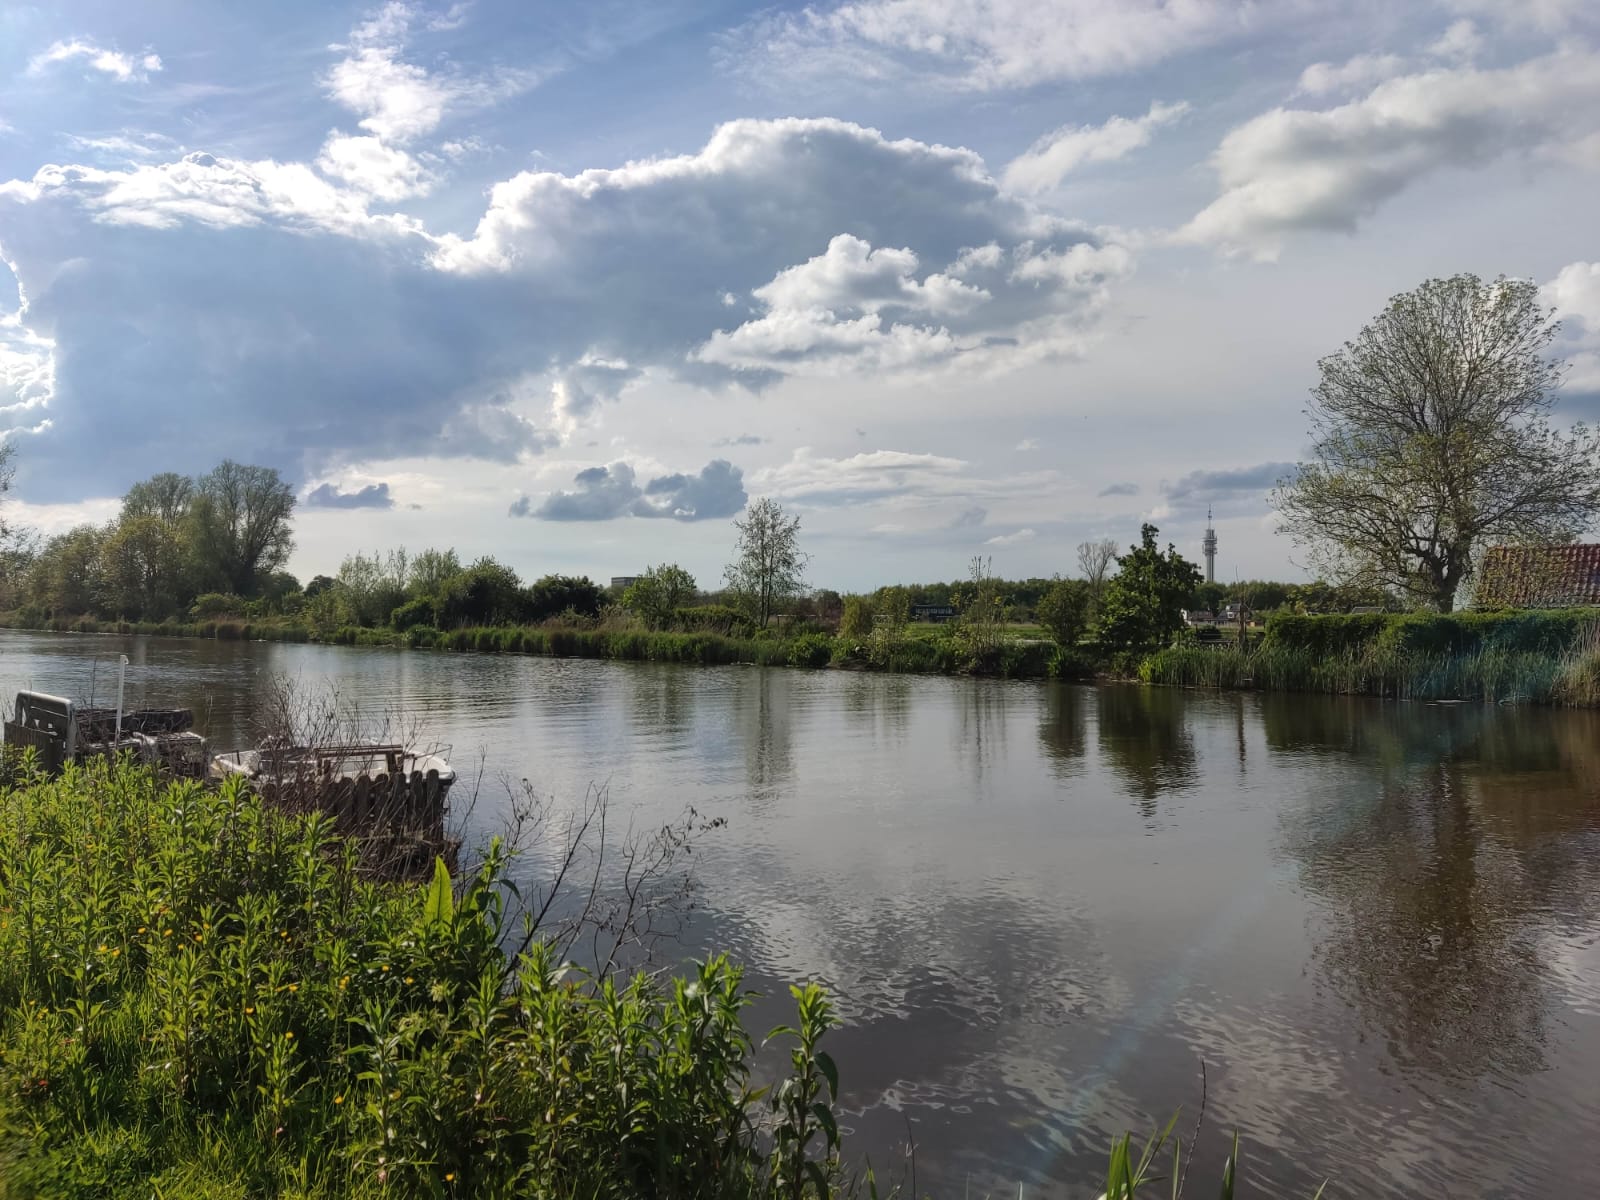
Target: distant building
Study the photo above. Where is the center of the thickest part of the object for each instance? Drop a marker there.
(1199, 616)
(621, 583)
(938, 614)
(1538, 577)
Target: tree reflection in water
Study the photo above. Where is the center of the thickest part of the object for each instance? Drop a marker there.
(1064, 730)
(1439, 859)
(1147, 740)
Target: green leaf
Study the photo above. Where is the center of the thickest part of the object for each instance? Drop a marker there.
(824, 1116)
(818, 1177)
(830, 1069)
(438, 907)
(1228, 1169)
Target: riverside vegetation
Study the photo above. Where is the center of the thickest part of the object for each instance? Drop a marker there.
(204, 996)
(147, 571)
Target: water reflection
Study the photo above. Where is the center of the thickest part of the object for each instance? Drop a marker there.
(1063, 731)
(1442, 860)
(1378, 924)
(1146, 738)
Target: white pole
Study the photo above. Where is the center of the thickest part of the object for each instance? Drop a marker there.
(122, 670)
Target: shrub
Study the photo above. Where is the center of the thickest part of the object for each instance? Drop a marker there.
(421, 635)
(855, 621)
(413, 614)
(217, 604)
(713, 618)
(240, 1011)
(811, 650)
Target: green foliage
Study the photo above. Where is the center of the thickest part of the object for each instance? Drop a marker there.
(553, 595)
(768, 567)
(238, 526)
(855, 619)
(658, 594)
(1064, 611)
(1432, 438)
(203, 996)
(486, 593)
(713, 618)
(419, 611)
(984, 610)
(811, 650)
(891, 612)
(216, 604)
(1142, 608)
(1539, 631)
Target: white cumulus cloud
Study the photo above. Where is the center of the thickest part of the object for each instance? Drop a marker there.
(1575, 295)
(368, 165)
(270, 301)
(1298, 169)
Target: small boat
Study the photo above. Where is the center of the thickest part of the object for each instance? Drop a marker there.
(61, 731)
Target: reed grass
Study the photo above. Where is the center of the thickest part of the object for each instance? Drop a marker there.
(1491, 674)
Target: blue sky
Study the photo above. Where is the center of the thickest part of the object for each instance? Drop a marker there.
(567, 284)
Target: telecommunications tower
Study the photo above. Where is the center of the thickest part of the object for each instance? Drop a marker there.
(1210, 547)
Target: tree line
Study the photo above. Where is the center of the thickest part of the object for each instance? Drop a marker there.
(213, 546)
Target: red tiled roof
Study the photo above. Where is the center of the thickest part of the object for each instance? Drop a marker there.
(1538, 577)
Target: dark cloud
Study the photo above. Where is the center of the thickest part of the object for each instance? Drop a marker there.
(744, 439)
(1234, 485)
(972, 518)
(328, 495)
(258, 302)
(606, 493)
(1120, 489)
(717, 491)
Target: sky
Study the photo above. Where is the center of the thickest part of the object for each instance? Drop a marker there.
(569, 284)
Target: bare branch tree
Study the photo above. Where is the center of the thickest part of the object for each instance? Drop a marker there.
(1094, 560)
(1431, 438)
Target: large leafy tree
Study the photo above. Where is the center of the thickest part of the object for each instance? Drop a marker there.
(142, 559)
(1142, 608)
(66, 578)
(486, 593)
(240, 520)
(657, 594)
(552, 595)
(1431, 439)
(1064, 610)
(166, 497)
(768, 567)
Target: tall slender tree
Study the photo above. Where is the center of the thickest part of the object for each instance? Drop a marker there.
(768, 567)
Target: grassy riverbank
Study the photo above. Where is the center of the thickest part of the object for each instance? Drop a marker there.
(1499, 658)
(926, 650)
(204, 997)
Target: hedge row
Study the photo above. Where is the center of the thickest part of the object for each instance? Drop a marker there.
(1546, 631)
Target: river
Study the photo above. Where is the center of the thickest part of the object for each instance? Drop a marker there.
(1040, 907)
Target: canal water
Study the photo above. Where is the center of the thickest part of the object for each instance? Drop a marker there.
(1042, 907)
